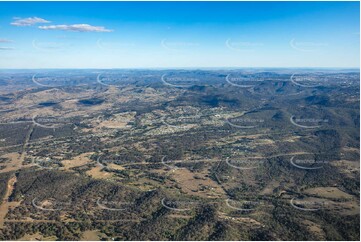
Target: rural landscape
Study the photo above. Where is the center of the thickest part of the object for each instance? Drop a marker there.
(179, 155)
(179, 121)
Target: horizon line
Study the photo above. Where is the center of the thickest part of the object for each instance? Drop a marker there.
(173, 68)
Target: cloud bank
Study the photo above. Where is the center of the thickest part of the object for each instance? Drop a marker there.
(76, 28)
(28, 21)
(5, 41)
(7, 48)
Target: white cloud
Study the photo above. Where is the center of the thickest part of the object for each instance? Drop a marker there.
(7, 48)
(28, 21)
(76, 28)
(5, 41)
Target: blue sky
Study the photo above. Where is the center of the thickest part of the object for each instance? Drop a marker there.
(179, 34)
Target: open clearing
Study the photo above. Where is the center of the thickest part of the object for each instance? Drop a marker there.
(328, 192)
(77, 161)
(197, 184)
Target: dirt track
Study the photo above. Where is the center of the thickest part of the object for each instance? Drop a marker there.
(5, 205)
